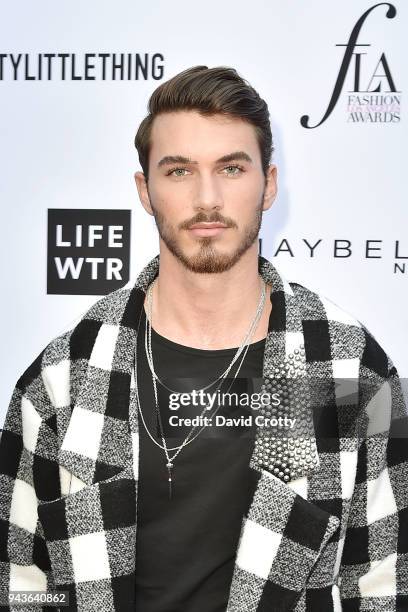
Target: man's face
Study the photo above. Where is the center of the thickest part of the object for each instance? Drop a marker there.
(205, 170)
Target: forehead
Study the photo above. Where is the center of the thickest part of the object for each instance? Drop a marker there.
(188, 133)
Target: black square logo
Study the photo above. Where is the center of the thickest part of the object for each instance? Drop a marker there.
(88, 251)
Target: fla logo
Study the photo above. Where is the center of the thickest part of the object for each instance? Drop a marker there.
(374, 99)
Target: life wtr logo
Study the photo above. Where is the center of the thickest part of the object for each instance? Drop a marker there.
(88, 251)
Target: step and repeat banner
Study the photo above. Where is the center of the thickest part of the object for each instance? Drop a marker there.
(75, 79)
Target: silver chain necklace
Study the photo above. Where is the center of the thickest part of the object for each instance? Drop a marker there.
(149, 354)
(243, 346)
(188, 439)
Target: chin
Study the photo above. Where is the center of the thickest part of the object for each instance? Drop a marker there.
(208, 260)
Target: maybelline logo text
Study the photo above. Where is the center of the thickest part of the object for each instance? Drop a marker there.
(344, 248)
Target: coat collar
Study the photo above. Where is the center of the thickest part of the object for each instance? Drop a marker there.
(109, 330)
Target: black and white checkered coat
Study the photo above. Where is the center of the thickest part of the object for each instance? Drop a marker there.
(333, 538)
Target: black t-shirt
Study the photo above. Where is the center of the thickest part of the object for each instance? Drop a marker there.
(186, 545)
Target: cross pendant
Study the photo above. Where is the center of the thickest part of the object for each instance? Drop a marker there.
(169, 466)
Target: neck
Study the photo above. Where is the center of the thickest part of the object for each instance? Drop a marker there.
(209, 311)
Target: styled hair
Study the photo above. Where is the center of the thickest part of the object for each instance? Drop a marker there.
(218, 90)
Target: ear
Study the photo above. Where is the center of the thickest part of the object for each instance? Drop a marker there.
(271, 187)
(141, 185)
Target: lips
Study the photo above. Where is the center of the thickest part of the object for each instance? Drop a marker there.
(207, 225)
(207, 229)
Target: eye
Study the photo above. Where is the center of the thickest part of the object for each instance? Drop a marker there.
(176, 170)
(236, 167)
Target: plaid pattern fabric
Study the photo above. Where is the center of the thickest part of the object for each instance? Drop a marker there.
(335, 537)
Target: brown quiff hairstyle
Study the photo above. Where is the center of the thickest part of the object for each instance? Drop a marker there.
(218, 90)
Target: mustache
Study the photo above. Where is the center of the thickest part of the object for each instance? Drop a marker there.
(203, 218)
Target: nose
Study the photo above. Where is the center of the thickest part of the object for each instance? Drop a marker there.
(208, 194)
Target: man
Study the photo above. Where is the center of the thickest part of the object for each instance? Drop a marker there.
(102, 499)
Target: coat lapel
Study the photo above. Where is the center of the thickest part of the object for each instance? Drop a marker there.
(96, 444)
(282, 533)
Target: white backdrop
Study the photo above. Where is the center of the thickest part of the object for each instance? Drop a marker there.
(69, 144)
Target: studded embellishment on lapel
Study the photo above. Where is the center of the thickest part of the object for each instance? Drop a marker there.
(294, 455)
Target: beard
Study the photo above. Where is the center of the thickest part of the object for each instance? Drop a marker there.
(208, 260)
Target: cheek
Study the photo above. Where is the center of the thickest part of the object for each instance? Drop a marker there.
(247, 190)
(171, 210)
(245, 199)
(171, 198)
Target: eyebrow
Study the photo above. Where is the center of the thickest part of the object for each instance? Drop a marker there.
(180, 159)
